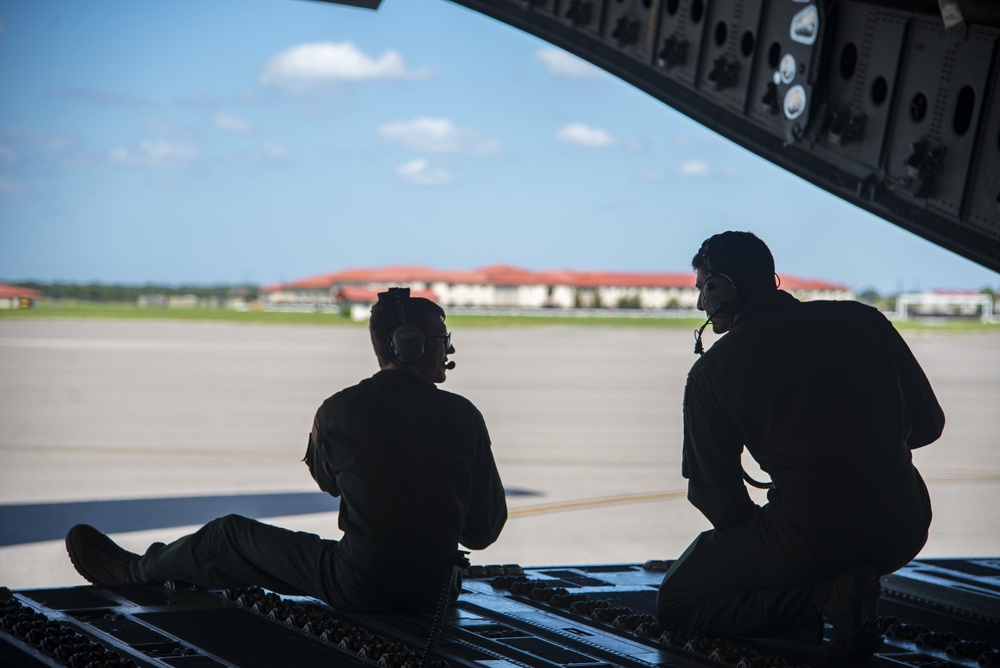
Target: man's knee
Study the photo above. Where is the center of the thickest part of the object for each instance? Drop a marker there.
(673, 614)
(228, 522)
(227, 530)
(672, 605)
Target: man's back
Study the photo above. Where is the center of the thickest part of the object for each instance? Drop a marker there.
(416, 477)
(825, 395)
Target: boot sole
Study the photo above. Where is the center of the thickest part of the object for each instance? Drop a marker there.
(71, 551)
(865, 638)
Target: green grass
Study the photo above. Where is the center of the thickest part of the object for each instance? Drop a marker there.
(471, 321)
(129, 311)
(77, 309)
(67, 309)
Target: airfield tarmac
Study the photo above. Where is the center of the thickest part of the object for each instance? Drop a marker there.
(136, 426)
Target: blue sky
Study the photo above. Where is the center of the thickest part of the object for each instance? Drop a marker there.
(215, 141)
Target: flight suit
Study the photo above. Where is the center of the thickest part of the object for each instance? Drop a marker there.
(829, 400)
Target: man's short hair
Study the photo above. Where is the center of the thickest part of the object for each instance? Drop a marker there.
(741, 256)
(386, 317)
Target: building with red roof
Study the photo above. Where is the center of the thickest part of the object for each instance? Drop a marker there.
(14, 296)
(357, 300)
(945, 303)
(504, 286)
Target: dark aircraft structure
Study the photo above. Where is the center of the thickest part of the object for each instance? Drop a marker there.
(934, 613)
(887, 104)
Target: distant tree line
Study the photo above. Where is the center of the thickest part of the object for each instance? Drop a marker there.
(102, 292)
(871, 297)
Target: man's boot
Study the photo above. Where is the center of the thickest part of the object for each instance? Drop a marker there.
(100, 560)
(848, 602)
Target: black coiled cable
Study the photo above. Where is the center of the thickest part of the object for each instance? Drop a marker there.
(754, 483)
(444, 599)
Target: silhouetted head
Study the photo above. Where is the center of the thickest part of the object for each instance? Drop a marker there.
(742, 257)
(732, 269)
(409, 333)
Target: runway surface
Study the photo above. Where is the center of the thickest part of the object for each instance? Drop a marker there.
(148, 428)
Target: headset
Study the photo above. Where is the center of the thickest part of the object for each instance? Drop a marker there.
(407, 339)
(718, 291)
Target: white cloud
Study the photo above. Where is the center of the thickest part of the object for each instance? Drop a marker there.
(319, 63)
(438, 135)
(422, 173)
(155, 153)
(231, 123)
(582, 134)
(694, 168)
(559, 63)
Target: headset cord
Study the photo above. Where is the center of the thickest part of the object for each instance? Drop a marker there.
(444, 600)
(754, 483)
(699, 349)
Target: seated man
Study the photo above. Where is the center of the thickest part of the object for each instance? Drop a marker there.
(829, 400)
(413, 467)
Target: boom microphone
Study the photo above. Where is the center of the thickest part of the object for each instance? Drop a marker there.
(699, 348)
(449, 366)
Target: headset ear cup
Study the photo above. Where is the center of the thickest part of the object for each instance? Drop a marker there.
(408, 343)
(719, 293)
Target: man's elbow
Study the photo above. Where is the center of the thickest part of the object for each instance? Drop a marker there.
(480, 540)
(927, 432)
(475, 544)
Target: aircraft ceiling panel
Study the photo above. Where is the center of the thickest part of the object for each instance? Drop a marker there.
(728, 50)
(866, 56)
(585, 16)
(679, 43)
(984, 202)
(786, 73)
(936, 123)
(630, 28)
(771, 44)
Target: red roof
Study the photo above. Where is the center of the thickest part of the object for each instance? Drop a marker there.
(353, 293)
(8, 291)
(792, 284)
(501, 274)
(392, 275)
